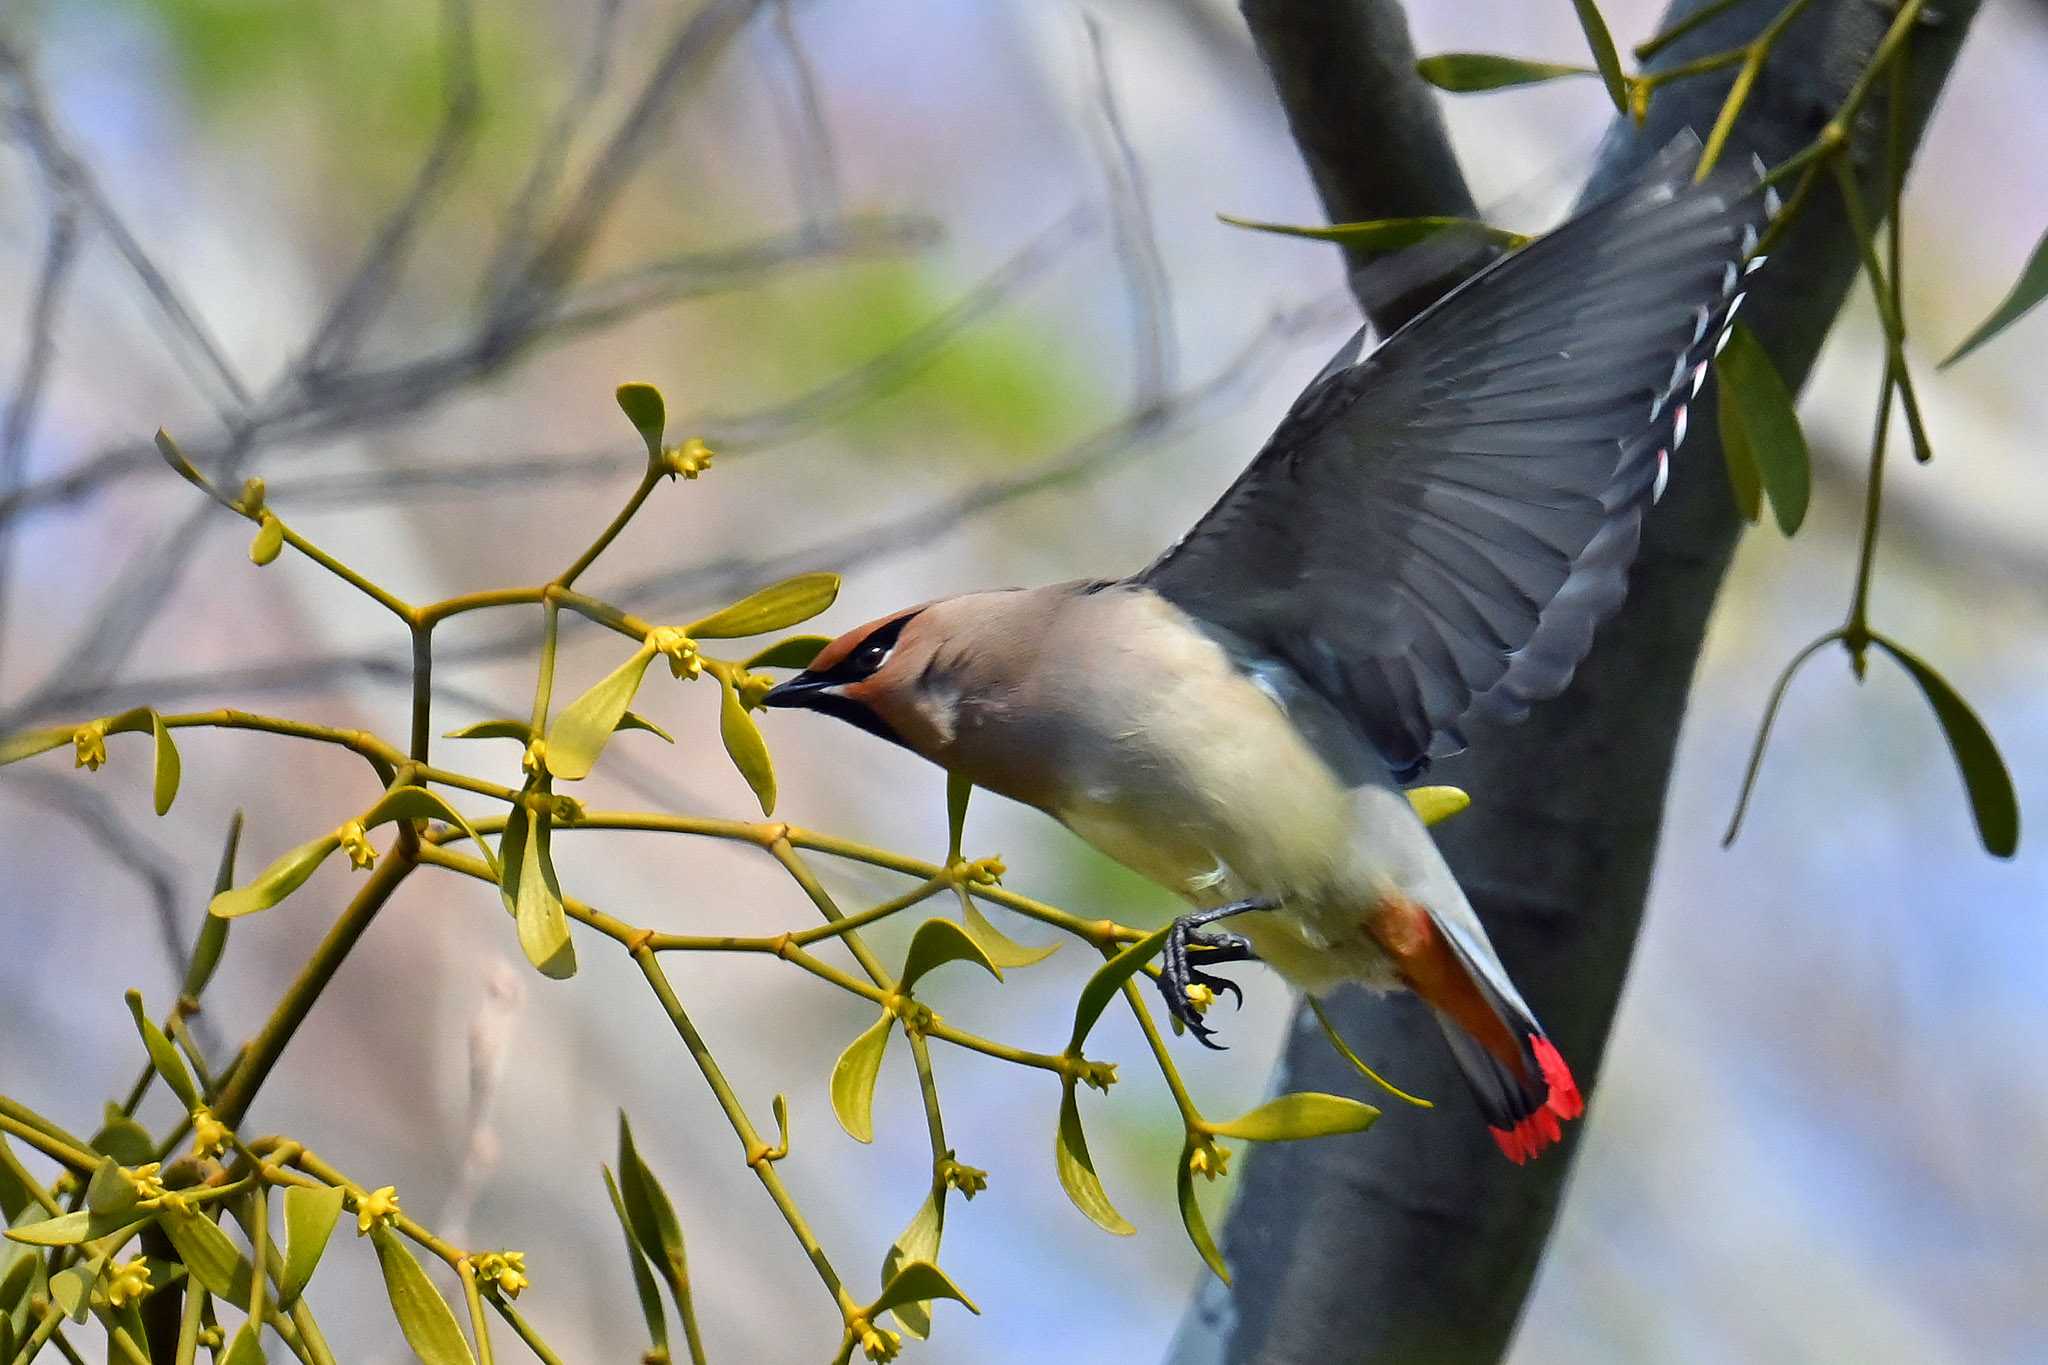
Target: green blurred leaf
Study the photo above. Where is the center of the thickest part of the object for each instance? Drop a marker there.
(939, 941)
(247, 1349)
(268, 542)
(1305, 1114)
(919, 1242)
(71, 1290)
(423, 1315)
(309, 1218)
(512, 855)
(1601, 42)
(213, 930)
(521, 731)
(277, 881)
(744, 745)
(580, 733)
(773, 608)
(31, 742)
(651, 1218)
(919, 1281)
(537, 903)
(795, 652)
(1745, 481)
(123, 1139)
(493, 729)
(209, 1257)
(109, 1192)
(418, 803)
(1000, 948)
(1992, 802)
(645, 409)
(1760, 406)
(14, 1195)
(65, 1230)
(1108, 980)
(162, 1055)
(853, 1079)
(15, 1280)
(633, 721)
(1467, 72)
(1436, 804)
(1191, 1216)
(643, 1279)
(1385, 234)
(1077, 1168)
(2027, 291)
(168, 767)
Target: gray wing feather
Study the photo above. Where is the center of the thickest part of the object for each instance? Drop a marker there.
(1436, 530)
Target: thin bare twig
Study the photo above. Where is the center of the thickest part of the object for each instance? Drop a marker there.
(59, 254)
(813, 163)
(1154, 342)
(92, 812)
(369, 287)
(200, 352)
(515, 232)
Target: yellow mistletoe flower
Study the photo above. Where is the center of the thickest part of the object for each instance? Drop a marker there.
(505, 1269)
(879, 1343)
(1209, 1159)
(679, 649)
(356, 844)
(378, 1206)
(91, 743)
(127, 1282)
(689, 459)
(209, 1134)
(1200, 996)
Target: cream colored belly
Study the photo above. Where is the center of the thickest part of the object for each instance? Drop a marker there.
(1244, 811)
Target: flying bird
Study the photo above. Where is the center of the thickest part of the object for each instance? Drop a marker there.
(1432, 534)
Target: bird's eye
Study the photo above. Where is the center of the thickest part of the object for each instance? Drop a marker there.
(870, 655)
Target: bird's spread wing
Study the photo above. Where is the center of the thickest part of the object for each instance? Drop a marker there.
(1437, 529)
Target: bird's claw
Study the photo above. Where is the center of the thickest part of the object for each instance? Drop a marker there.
(1177, 974)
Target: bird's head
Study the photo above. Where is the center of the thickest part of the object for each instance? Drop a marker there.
(869, 677)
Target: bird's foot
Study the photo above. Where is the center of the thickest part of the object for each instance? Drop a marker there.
(1178, 974)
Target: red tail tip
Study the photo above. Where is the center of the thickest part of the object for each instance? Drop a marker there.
(1564, 1100)
(1529, 1137)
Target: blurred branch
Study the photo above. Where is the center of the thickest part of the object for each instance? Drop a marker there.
(813, 163)
(680, 590)
(515, 232)
(368, 289)
(29, 116)
(1422, 1244)
(1367, 126)
(1154, 343)
(92, 812)
(697, 42)
(23, 403)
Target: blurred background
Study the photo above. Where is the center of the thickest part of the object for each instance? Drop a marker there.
(891, 260)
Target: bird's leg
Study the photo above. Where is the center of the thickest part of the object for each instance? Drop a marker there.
(1176, 973)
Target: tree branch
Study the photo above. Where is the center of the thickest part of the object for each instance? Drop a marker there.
(1417, 1241)
(1367, 126)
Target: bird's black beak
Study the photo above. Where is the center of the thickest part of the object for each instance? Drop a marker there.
(801, 691)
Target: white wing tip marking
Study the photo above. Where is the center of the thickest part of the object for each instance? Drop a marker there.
(1663, 473)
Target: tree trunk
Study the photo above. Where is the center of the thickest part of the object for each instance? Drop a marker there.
(1416, 1242)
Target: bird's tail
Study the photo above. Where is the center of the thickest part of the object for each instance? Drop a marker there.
(1519, 1079)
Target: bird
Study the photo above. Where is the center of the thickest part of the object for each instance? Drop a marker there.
(1432, 534)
